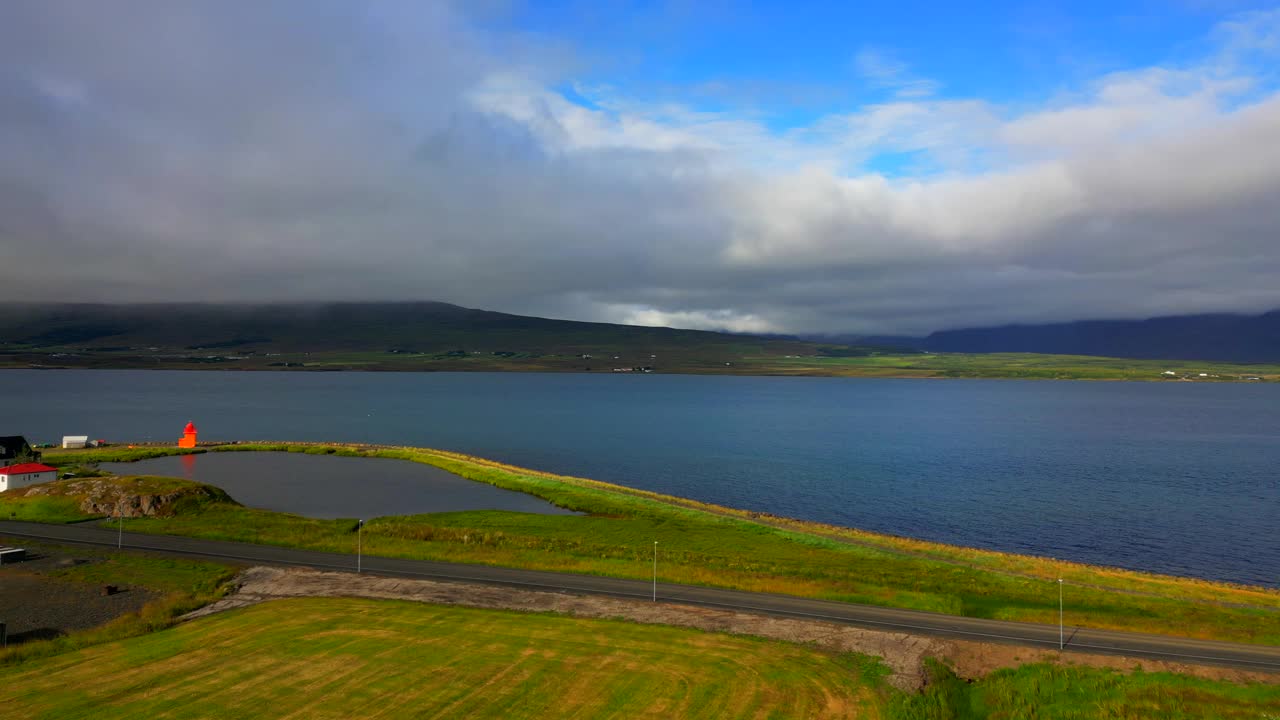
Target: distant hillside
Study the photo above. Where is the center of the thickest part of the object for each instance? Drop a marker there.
(896, 343)
(289, 327)
(355, 335)
(1231, 338)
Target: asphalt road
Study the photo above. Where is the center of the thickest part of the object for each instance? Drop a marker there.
(1158, 647)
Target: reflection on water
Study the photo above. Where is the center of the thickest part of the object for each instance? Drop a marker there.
(328, 487)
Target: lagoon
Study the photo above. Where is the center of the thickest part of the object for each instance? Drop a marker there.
(320, 486)
(1179, 478)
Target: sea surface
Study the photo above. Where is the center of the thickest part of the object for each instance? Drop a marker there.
(1180, 478)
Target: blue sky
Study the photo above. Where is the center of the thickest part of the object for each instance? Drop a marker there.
(808, 52)
(786, 65)
(753, 166)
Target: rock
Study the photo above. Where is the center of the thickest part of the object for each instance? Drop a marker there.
(113, 501)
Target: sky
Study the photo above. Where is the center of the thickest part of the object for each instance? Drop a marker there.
(790, 167)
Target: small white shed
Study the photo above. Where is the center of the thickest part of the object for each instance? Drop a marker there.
(26, 474)
(75, 441)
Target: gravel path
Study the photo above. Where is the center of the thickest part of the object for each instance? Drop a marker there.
(35, 605)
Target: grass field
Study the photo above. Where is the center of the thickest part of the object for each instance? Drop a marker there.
(389, 659)
(1050, 692)
(1029, 366)
(344, 658)
(707, 545)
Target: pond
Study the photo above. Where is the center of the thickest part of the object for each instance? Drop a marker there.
(323, 486)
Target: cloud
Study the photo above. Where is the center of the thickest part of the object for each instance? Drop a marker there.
(883, 71)
(152, 150)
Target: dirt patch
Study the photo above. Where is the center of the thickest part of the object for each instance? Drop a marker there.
(36, 606)
(902, 652)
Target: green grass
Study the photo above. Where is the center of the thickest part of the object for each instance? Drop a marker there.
(345, 658)
(340, 658)
(183, 585)
(61, 458)
(55, 509)
(705, 545)
(1051, 692)
(1029, 366)
(162, 574)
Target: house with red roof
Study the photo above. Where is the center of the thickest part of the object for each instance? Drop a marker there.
(25, 474)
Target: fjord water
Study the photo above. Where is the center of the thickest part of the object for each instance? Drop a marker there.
(1180, 478)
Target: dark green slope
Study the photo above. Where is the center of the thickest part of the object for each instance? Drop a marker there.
(1218, 337)
(417, 327)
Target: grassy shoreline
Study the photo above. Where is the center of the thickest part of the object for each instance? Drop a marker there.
(711, 545)
(745, 361)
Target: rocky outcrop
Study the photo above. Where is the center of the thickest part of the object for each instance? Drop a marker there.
(130, 497)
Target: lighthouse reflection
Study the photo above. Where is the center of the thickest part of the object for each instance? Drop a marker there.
(189, 466)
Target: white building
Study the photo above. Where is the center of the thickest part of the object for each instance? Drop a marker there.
(20, 476)
(75, 441)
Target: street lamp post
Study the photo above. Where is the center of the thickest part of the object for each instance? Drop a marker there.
(655, 571)
(359, 544)
(1061, 644)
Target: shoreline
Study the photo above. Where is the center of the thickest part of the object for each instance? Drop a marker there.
(903, 545)
(1265, 378)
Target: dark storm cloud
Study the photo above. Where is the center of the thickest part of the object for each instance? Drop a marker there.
(335, 150)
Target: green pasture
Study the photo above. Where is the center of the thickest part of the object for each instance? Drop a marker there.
(343, 658)
(1028, 366)
(346, 658)
(1054, 692)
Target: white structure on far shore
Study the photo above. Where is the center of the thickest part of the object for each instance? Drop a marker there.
(26, 474)
(75, 441)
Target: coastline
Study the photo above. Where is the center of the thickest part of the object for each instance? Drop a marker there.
(1233, 374)
(725, 547)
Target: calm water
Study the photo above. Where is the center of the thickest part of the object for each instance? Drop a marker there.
(330, 487)
(1178, 477)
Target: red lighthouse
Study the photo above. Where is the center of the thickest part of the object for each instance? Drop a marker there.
(188, 436)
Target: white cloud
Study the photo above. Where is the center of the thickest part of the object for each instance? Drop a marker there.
(884, 71)
(720, 319)
(393, 154)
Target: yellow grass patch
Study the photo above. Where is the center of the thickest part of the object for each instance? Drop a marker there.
(343, 658)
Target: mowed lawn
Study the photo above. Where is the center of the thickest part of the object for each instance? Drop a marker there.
(346, 658)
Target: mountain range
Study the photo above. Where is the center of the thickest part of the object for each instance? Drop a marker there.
(440, 328)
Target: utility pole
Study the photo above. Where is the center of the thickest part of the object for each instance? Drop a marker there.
(1061, 644)
(359, 544)
(120, 527)
(655, 571)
